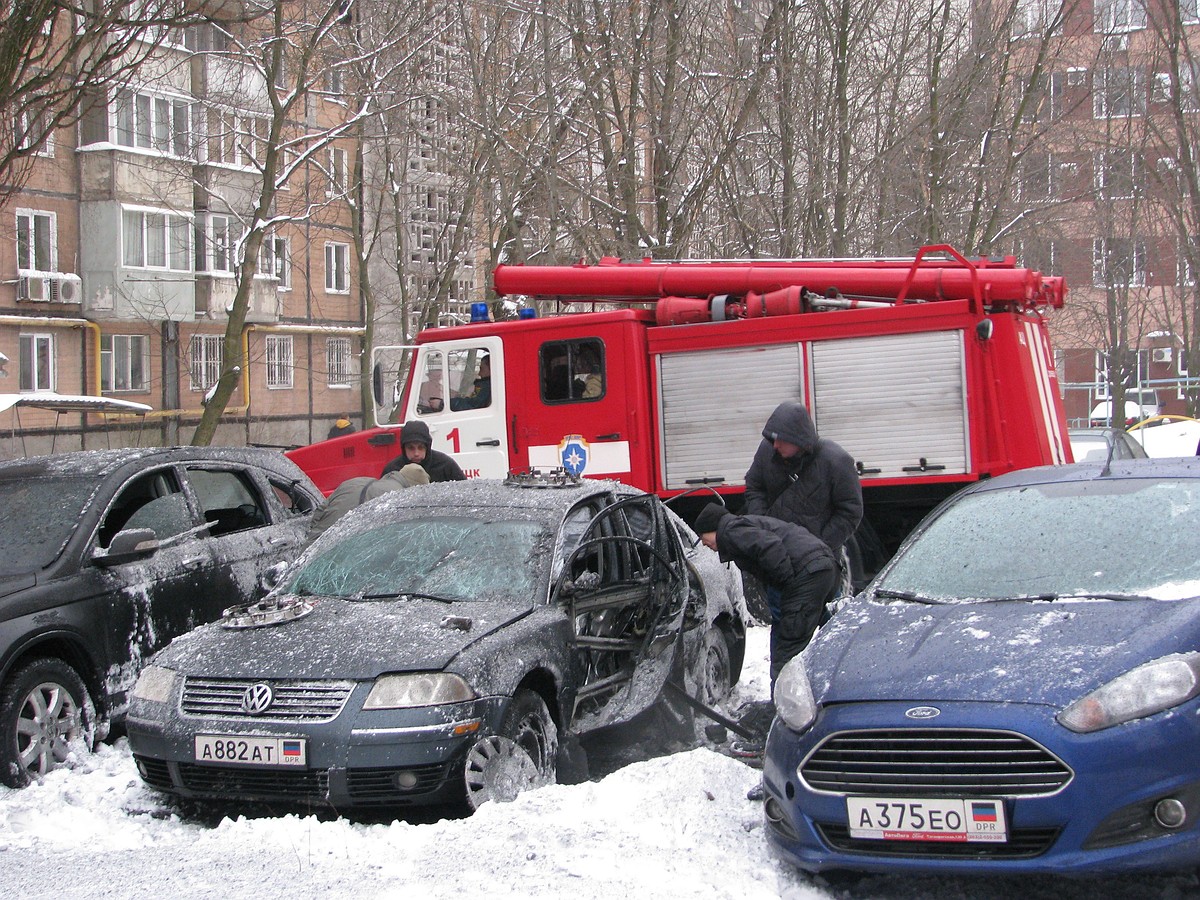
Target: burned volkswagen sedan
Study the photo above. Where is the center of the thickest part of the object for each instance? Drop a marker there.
(444, 643)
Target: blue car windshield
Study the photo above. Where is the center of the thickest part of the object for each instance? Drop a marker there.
(40, 514)
(1102, 537)
(447, 558)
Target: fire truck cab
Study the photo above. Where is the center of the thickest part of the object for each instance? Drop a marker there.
(932, 372)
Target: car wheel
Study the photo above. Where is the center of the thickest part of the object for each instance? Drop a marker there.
(44, 710)
(715, 680)
(519, 758)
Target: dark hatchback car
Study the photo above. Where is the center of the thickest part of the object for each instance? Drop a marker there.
(1017, 692)
(445, 643)
(105, 556)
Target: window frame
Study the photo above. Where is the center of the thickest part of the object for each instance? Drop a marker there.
(32, 360)
(174, 225)
(110, 356)
(27, 234)
(337, 267)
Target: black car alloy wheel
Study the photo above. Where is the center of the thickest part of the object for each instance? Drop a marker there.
(44, 708)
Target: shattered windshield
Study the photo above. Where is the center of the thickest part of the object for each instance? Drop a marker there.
(39, 516)
(1103, 538)
(445, 558)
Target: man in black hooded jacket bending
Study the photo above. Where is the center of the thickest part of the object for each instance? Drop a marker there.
(788, 558)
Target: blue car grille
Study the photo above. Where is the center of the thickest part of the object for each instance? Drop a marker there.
(1022, 843)
(293, 701)
(934, 762)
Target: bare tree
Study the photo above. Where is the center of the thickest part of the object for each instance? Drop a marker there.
(286, 58)
(58, 57)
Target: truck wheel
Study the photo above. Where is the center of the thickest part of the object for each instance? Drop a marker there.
(519, 758)
(44, 710)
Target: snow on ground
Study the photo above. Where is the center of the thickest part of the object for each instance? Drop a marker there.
(674, 827)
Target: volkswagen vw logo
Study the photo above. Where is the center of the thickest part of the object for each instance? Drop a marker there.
(257, 699)
(917, 712)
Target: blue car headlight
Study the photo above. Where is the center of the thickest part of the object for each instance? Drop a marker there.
(1144, 691)
(794, 701)
(423, 689)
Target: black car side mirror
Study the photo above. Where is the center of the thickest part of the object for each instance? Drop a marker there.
(127, 546)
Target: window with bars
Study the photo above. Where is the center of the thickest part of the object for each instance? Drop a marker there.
(207, 353)
(337, 361)
(124, 362)
(279, 361)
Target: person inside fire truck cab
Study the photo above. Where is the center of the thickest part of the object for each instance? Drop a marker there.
(430, 397)
(417, 445)
(789, 558)
(587, 383)
(481, 395)
(802, 478)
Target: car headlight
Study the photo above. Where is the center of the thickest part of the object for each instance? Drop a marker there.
(794, 701)
(155, 683)
(1144, 691)
(425, 689)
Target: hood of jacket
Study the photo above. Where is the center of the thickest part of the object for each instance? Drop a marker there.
(791, 422)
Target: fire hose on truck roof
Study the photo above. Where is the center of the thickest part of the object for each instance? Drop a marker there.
(693, 291)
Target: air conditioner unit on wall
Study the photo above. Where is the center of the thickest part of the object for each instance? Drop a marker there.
(1161, 355)
(31, 287)
(50, 287)
(1115, 43)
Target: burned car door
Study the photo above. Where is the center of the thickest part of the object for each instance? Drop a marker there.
(624, 588)
(146, 588)
(246, 535)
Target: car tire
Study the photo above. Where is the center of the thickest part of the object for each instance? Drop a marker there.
(44, 710)
(715, 673)
(519, 757)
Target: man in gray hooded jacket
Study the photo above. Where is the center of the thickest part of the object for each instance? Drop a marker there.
(801, 478)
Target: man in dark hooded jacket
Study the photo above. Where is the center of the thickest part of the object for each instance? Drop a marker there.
(789, 559)
(801, 478)
(416, 444)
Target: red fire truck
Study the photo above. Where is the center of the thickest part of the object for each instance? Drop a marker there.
(932, 371)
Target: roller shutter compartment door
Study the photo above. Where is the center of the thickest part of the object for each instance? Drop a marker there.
(894, 400)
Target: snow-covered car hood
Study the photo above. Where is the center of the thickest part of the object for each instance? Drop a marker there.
(1016, 651)
(343, 639)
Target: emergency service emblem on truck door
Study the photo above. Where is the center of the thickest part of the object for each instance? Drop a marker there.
(573, 451)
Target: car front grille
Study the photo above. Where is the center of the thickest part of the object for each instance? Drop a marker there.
(306, 785)
(934, 762)
(293, 701)
(1022, 843)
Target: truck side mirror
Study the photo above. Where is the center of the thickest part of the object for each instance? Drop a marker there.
(377, 384)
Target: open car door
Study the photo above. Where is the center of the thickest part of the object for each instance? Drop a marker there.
(625, 589)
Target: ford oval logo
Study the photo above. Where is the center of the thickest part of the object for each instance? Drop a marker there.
(923, 712)
(257, 699)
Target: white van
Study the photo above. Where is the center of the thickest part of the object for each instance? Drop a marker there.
(1139, 404)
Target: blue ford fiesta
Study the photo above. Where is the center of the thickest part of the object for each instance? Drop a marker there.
(1016, 692)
